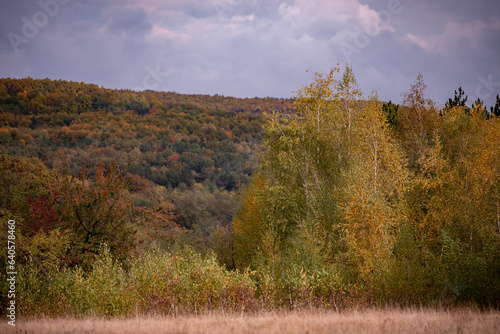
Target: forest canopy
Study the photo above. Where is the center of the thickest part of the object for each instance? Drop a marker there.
(328, 199)
(396, 203)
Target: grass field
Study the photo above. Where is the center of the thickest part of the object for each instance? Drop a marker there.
(370, 321)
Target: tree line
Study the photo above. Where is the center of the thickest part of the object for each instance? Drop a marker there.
(383, 202)
(330, 199)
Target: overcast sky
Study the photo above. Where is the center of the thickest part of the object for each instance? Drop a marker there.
(248, 48)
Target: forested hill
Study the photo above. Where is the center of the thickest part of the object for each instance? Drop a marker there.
(45, 95)
(169, 138)
(189, 153)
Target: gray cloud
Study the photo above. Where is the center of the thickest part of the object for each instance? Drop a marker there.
(130, 21)
(258, 47)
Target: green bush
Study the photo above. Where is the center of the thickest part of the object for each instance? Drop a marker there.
(157, 282)
(188, 283)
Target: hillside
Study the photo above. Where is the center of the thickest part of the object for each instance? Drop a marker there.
(189, 153)
(171, 139)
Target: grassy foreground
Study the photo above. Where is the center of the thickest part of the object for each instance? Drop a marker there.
(369, 321)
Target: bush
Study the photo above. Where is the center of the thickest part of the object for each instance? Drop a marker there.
(157, 282)
(188, 283)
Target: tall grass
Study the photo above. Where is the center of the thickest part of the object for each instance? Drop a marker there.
(156, 283)
(160, 283)
(368, 321)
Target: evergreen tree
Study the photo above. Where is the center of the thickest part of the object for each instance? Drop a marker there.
(391, 111)
(458, 101)
(495, 111)
(478, 108)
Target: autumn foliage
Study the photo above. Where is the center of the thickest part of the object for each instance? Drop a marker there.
(347, 203)
(165, 203)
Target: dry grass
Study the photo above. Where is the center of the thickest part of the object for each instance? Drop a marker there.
(370, 321)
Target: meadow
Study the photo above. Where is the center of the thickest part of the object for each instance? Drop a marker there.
(361, 321)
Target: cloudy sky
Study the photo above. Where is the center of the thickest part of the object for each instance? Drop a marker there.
(248, 48)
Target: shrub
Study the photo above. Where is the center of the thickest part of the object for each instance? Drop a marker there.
(157, 282)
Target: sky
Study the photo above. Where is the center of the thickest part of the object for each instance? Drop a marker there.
(248, 48)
